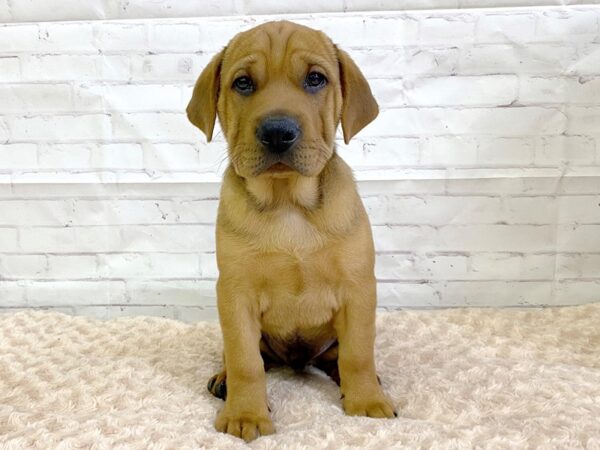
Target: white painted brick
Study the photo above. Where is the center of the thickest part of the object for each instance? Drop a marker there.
(114, 312)
(145, 265)
(505, 151)
(72, 266)
(41, 10)
(168, 238)
(117, 156)
(378, 63)
(507, 59)
(68, 293)
(489, 90)
(393, 295)
(495, 293)
(587, 61)
(122, 212)
(70, 239)
(180, 292)
(60, 127)
(197, 211)
(573, 265)
(518, 121)
(577, 292)
(65, 156)
(559, 150)
(171, 126)
(168, 67)
(388, 92)
(508, 266)
(530, 210)
(574, 90)
(10, 69)
(34, 212)
(420, 267)
(505, 28)
(128, 97)
(175, 8)
(174, 265)
(27, 98)
(447, 29)
(583, 120)
(568, 25)
(449, 151)
(64, 37)
(578, 238)
(22, 266)
(191, 314)
(16, 38)
(172, 157)
(8, 240)
(433, 210)
(75, 67)
(175, 37)
(18, 156)
(380, 152)
(5, 15)
(580, 210)
(12, 293)
(578, 185)
(208, 266)
(121, 36)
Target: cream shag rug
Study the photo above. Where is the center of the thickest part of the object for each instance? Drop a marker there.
(460, 378)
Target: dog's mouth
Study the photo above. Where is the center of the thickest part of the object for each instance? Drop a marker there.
(279, 167)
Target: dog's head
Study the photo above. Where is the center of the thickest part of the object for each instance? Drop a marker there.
(280, 90)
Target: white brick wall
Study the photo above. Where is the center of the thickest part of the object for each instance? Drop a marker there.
(481, 175)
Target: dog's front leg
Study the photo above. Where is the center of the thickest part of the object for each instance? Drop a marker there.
(245, 413)
(355, 327)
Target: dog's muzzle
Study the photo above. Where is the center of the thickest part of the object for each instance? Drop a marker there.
(278, 134)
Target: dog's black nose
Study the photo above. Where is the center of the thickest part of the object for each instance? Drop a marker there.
(278, 134)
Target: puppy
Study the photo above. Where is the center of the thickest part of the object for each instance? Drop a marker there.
(294, 246)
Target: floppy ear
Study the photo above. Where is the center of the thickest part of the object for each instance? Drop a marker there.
(359, 107)
(202, 108)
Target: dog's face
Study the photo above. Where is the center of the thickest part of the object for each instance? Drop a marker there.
(280, 90)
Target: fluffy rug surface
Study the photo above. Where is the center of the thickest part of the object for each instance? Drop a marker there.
(460, 379)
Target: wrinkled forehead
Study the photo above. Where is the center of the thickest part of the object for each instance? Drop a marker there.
(277, 45)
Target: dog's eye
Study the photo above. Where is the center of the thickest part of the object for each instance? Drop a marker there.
(314, 81)
(243, 85)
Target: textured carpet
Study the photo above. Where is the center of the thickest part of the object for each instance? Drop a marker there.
(460, 379)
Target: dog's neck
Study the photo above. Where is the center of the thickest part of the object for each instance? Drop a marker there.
(293, 190)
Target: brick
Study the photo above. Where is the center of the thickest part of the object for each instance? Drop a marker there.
(394, 295)
(587, 61)
(420, 266)
(60, 127)
(72, 267)
(574, 90)
(10, 69)
(64, 37)
(18, 38)
(509, 122)
(449, 151)
(117, 156)
(510, 27)
(578, 209)
(34, 212)
(135, 265)
(378, 153)
(560, 150)
(574, 265)
(192, 314)
(22, 266)
(168, 67)
(121, 37)
(75, 67)
(489, 90)
(447, 29)
(72, 293)
(197, 211)
(65, 156)
(583, 120)
(18, 156)
(113, 312)
(168, 238)
(175, 37)
(180, 292)
(70, 239)
(12, 293)
(208, 266)
(174, 8)
(33, 98)
(172, 157)
(122, 212)
(168, 126)
(512, 152)
(508, 266)
(569, 24)
(8, 240)
(433, 210)
(128, 97)
(530, 210)
(506, 59)
(577, 292)
(495, 293)
(40, 10)
(578, 238)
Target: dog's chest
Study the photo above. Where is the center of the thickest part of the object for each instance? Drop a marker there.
(288, 230)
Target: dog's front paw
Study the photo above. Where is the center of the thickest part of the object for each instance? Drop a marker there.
(373, 406)
(246, 425)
